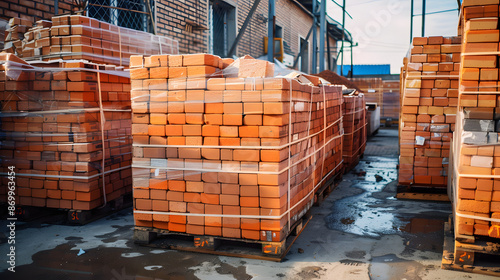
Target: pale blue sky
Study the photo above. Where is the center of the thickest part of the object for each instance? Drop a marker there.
(382, 27)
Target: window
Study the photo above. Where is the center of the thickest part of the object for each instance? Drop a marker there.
(304, 58)
(279, 32)
(125, 16)
(222, 22)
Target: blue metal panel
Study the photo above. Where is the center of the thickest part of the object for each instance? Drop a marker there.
(367, 69)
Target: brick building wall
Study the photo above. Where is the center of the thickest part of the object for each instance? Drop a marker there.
(33, 10)
(172, 16)
(171, 22)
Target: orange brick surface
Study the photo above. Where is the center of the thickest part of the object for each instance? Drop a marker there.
(478, 101)
(227, 144)
(79, 37)
(53, 136)
(428, 102)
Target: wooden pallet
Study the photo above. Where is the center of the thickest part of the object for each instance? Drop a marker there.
(223, 246)
(69, 216)
(328, 187)
(481, 257)
(419, 192)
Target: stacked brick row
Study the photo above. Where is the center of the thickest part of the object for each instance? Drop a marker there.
(354, 119)
(476, 184)
(428, 111)
(14, 34)
(390, 109)
(372, 88)
(80, 37)
(63, 125)
(229, 154)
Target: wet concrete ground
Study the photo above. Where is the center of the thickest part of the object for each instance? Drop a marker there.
(360, 232)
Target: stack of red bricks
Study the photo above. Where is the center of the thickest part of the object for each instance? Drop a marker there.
(390, 108)
(372, 88)
(476, 183)
(354, 139)
(225, 153)
(80, 37)
(58, 123)
(428, 111)
(14, 34)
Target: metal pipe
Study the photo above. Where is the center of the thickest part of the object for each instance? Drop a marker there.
(322, 35)
(315, 43)
(423, 18)
(352, 66)
(328, 53)
(411, 23)
(343, 38)
(303, 47)
(270, 31)
(150, 11)
(243, 28)
(56, 7)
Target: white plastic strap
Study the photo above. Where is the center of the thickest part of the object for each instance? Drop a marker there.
(238, 171)
(68, 177)
(238, 147)
(103, 122)
(245, 216)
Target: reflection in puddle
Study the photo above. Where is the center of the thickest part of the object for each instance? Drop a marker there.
(391, 267)
(376, 212)
(361, 214)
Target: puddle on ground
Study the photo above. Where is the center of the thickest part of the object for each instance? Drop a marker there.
(390, 267)
(372, 210)
(356, 214)
(113, 263)
(423, 234)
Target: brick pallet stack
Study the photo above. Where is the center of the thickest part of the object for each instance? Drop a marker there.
(477, 160)
(354, 119)
(14, 34)
(228, 154)
(58, 123)
(80, 37)
(390, 110)
(372, 88)
(428, 110)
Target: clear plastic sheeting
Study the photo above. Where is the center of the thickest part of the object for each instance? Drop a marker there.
(355, 122)
(65, 129)
(79, 37)
(237, 155)
(476, 170)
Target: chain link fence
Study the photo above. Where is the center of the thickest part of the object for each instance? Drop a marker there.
(134, 14)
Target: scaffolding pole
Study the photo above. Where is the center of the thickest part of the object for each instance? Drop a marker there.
(244, 28)
(343, 38)
(315, 43)
(411, 22)
(270, 31)
(352, 66)
(423, 18)
(322, 35)
(302, 49)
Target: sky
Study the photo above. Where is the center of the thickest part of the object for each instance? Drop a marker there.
(382, 27)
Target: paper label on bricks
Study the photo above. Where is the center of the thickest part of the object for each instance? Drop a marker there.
(419, 140)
